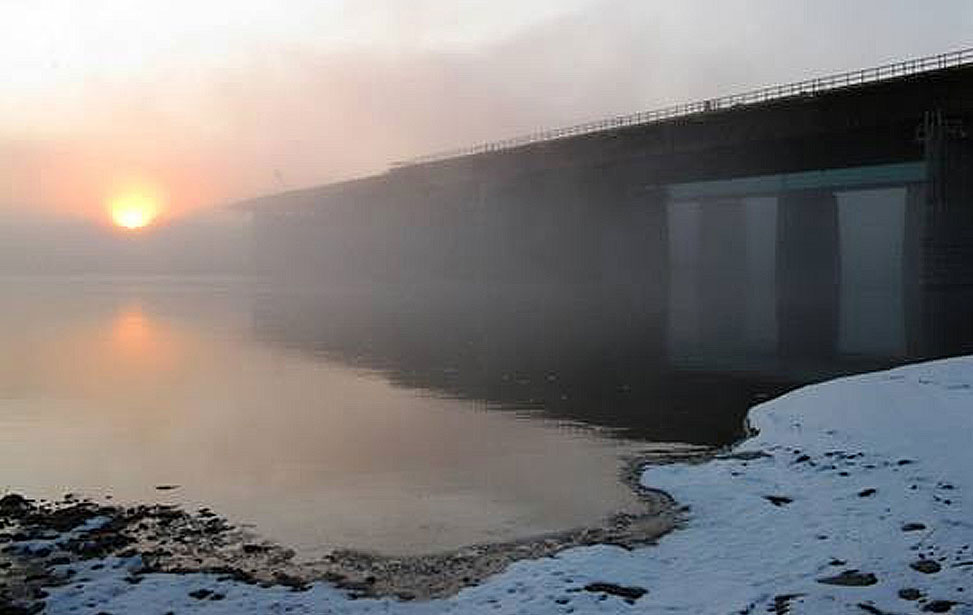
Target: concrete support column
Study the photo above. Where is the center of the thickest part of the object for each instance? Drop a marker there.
(761, 276)
(872, 272)
(916, 203)
(635, 244)
(808, 275)
(723, 278)
(939, 268)
(683, 306)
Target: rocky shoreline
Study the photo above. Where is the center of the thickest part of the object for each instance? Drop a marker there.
(43, 542)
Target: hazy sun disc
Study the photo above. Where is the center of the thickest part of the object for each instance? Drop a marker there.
(133, 211)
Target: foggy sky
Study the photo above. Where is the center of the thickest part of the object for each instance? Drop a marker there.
(216, 101)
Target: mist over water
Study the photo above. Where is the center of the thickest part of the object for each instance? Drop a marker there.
(393, 405)
(208, 242)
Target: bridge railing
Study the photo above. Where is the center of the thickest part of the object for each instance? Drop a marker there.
(801, 88)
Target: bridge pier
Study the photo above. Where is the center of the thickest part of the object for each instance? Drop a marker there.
(722, 277)
(873, 289)
(722, 290)
(808, 274)
(939, 240)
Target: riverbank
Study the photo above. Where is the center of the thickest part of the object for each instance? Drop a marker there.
(45, 544)
(852, 497)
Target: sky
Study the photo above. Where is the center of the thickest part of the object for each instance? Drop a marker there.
(200, 103)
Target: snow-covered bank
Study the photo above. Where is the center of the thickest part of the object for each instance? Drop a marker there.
(869, 474)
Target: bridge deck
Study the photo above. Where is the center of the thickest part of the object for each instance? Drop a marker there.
(953, 59)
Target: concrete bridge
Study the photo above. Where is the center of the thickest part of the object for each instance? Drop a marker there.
(833, 215)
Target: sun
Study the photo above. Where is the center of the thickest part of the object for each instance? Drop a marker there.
(134, 211)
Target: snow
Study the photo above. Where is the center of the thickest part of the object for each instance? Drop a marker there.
(905, 433)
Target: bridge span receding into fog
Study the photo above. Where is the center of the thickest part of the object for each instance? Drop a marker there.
(796, 208)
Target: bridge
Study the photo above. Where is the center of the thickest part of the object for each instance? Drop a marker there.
(800, 210)
(807, 87)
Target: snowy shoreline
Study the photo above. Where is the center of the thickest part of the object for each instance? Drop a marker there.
(852, 497)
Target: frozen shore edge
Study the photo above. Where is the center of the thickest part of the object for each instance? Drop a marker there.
(852, 497)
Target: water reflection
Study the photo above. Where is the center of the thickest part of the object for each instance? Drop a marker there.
(662, 313)
(114, 388)
(563, 353)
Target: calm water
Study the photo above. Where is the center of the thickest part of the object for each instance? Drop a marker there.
(402, 420)
(111, 387)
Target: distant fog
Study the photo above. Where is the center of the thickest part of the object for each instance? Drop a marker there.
(213, 242)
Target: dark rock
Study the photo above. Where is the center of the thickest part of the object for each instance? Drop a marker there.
(778, 500)
(216, 526)
(865, 493)
(629, 593)
(16, 609)
(802, 459)
(356, 586)
(745, 455)
(200, 594)
(13, 504)
(782, 603)
(938, 606)
(926, 566)
(63, 519)
(166, 487)
(850, 578)
(913, 527)
(99, 544)
(904, 462)
(910, 593)
(295, 583)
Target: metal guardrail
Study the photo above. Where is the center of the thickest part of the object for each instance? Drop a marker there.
(801, 88)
